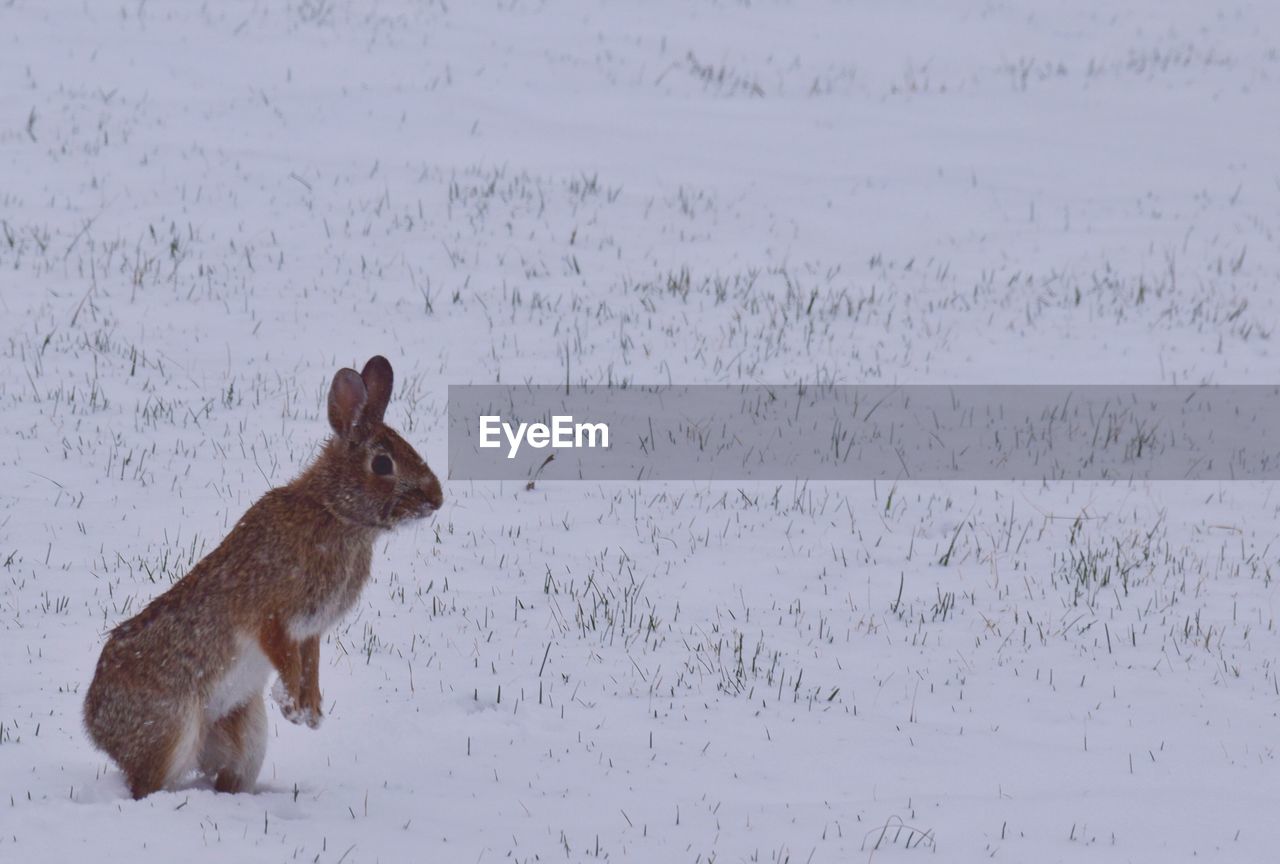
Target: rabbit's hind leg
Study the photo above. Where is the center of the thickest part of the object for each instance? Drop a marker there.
(234, 748)
(161, 751)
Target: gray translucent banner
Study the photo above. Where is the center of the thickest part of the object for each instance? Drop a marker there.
(880, 432)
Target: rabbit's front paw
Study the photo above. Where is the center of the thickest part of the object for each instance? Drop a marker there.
(291, 710)
(309, 716)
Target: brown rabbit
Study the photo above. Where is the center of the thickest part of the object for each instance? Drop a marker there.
(180, 684)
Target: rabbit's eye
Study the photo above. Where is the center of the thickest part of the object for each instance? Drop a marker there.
(382, 465)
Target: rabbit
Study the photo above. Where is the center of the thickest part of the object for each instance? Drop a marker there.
(179, 686)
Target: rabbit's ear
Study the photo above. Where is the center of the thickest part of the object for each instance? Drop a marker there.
(347, 398)
(377, 377)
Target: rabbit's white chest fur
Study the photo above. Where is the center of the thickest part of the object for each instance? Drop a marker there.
(318, 620)
(324, 611)
(243, 679)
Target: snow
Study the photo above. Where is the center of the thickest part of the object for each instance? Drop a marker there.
(205, 210)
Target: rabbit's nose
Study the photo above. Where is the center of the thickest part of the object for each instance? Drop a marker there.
(434, 494)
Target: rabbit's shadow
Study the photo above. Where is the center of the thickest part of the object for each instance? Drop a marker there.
(285, 801)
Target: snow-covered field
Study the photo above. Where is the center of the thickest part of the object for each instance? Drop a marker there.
(206, 209)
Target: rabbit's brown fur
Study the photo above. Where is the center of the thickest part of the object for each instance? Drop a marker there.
(180, 685)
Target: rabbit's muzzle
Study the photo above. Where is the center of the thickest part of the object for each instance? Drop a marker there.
(430, 497)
